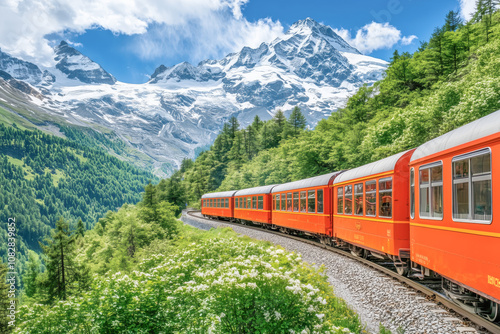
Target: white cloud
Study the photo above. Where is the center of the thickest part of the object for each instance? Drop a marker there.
(25, 24)
(467, 8)
(210, 37)
(407, 40)
(375, 36)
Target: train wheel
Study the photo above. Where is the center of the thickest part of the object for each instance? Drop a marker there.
(493, 313)
(359, 252)
(401, 268)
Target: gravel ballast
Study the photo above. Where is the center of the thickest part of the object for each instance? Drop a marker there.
(376, 297)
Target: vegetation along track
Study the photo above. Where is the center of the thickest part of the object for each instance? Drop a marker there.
(426, 287)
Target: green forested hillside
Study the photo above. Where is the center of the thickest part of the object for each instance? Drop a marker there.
(44, 177)
(451, 80)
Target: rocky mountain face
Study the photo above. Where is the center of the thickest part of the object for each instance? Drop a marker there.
(182, 108)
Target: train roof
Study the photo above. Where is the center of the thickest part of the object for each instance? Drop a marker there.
(380, 166)
(480, 128)
(220, 194)
(321, 180)
(255, 190)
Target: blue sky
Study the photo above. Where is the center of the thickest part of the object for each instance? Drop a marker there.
(131, 38)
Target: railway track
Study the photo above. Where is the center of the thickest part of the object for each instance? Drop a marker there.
(424, 287)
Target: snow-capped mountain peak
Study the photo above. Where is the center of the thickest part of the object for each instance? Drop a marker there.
(183, 107)
(311, 28)
(77, 66)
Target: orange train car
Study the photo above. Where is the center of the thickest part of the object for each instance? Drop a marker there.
(253, 204)
(371, 209)
(218, 205)
(304, 205)
(455, 223)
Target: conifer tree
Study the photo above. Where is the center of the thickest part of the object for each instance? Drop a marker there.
(453, 21)
(153, 211)
(63, 276)
(297, 121)
(233, 126)
(436, 54)
(280, 119)
(32, 273)
(257, 124)
(237, 155)
(269, 136)
(80, 229)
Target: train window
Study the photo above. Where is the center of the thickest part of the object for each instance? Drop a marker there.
(236, 203)
(283, 202)
(320, 200)
(289, 201)
(348, 200)
(260, 203)
(244, 202)
(303, 200)
(385, 197)
(431, 190)
(358, 199)
(340, 200)
(278, 202)
(412, 193)
(249, 202)
(371, 198)
(311, 201)
(296, 202)
(472, 187)
(254, 202)
(227, 202)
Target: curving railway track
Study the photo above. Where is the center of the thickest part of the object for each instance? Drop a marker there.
(426, 287)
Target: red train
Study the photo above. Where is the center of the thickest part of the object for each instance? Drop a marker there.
(430, 210)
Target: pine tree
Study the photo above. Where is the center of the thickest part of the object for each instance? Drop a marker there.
(400, 69)
(453, 21)
(297, 121)
(233, 126)
(453, 50)
(257, 124)
(80, 229)
(280, 119)
(148, 204)
(237, 155)
(32, 273)
(63, 276)
(152, 212)
(436, 54)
